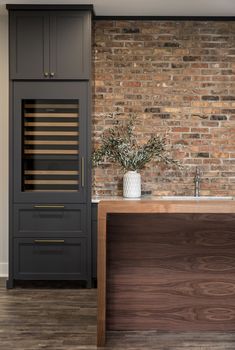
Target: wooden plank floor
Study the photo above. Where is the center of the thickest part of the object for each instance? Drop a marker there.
(65, 319)
(54, 319)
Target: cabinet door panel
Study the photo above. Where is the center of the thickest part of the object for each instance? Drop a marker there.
(94, 239)
(29, 45)
(50, 259)
(70, 45)
(68, 220)
(50, 142)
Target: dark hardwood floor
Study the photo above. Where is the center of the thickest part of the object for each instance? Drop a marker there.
(65, 319)
(40, 318)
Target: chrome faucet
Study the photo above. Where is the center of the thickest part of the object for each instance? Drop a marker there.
(197, 180)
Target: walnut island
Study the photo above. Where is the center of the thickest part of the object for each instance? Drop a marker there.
(165, 264)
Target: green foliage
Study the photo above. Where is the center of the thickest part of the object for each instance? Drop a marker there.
(119, 145)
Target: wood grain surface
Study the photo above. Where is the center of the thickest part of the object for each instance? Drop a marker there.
(44, 315)
(171, 272)
(50, 151)
(49, 142)
(51, 172)
(47, 316)
(150, 206)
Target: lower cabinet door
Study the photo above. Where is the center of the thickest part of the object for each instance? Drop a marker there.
(50, 259)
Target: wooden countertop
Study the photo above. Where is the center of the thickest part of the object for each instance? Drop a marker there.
(98, 199)
(160, 205)
(144, 205)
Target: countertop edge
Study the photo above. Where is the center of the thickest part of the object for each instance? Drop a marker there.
(96, 200)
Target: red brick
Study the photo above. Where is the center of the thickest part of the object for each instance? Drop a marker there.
(164, 71)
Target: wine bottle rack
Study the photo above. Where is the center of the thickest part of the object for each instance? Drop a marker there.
(51, 145)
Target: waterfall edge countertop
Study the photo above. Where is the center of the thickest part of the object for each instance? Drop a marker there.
(156, 205)
(97, 199)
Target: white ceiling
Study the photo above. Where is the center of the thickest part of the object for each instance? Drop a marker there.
(146, 7)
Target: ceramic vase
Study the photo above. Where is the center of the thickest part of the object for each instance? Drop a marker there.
(131, 185)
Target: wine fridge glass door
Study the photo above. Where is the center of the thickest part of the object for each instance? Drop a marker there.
(50, 146)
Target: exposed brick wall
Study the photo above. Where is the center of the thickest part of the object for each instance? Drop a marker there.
(179, 77)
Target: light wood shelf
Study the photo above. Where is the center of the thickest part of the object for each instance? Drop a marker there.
(51, 151)
(51, 172)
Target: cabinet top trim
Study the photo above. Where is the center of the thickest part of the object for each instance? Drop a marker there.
(51, 7)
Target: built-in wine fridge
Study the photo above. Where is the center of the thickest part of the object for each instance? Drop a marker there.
(50, 152)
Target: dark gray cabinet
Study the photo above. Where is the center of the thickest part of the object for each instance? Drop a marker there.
(50, 44)
(29, 46)
(50, 186)
(70, 48)
(50, 259)
(34, 220)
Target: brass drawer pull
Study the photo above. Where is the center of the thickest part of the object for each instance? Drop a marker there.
(49, 241)
(49, 206)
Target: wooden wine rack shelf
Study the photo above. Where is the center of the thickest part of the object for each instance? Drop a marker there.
(50, 151)
(51, 172)
(47, 142)
(51, 115)
(51, 130)
(51, 133)
(66, 125)
(48, 106)
(49, 182)
(50, 190)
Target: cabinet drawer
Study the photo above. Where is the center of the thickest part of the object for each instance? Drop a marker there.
(51, 259)
(36, 220)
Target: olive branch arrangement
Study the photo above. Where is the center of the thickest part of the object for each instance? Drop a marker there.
(119, 144)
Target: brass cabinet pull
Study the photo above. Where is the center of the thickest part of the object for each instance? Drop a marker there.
(39, 206)
(46, 74)
(52, 74)
(49, 241)
(82, 172)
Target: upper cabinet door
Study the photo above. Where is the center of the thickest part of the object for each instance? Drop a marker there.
(29, 40)
(70, 49)
(50, 45)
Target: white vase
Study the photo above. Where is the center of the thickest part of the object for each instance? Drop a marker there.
(131, 185)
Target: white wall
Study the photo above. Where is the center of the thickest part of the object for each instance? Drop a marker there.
(3, 144)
